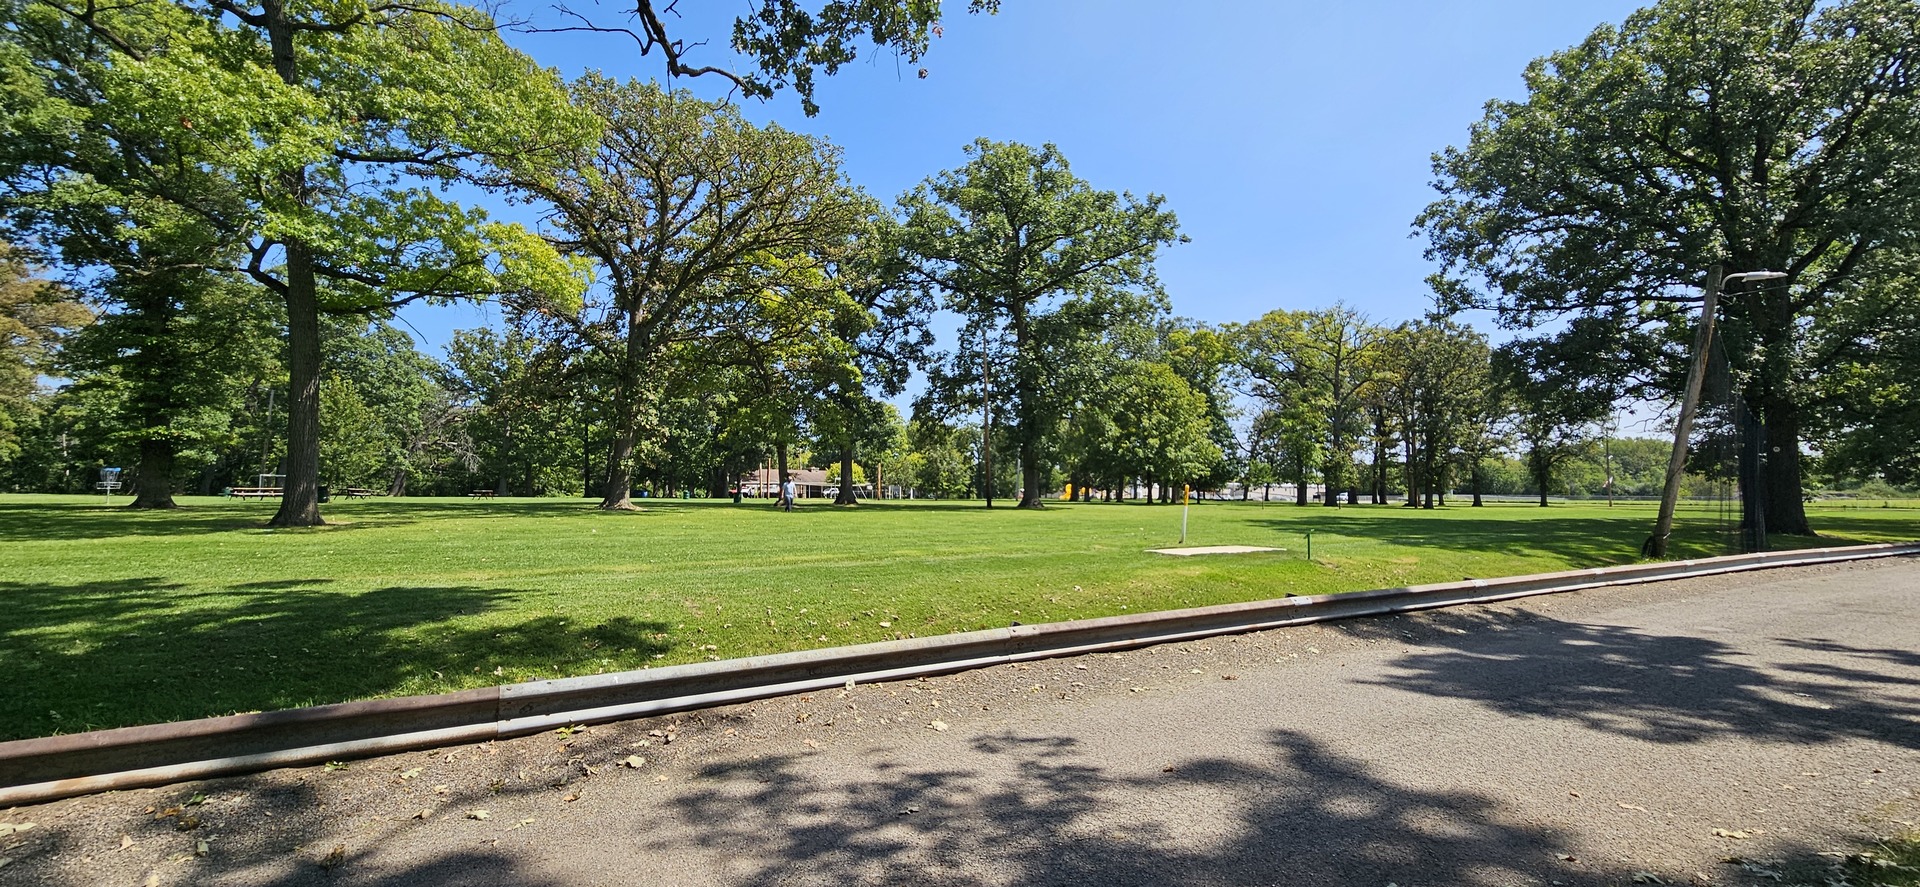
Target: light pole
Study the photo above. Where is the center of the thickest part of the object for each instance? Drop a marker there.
(1656, 545)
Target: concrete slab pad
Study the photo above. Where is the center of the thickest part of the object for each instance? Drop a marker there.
(1211, 549)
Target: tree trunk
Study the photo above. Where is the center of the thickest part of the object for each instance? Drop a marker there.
(1300, 485)
(153, 485)
(1427, 477)
(1542, 473)
(846, 496)
(780, 451)
(1479, 480)
(300, 493)
(398, 486)
(1411, 469)
(618, 495)
(1784, 507)
(1335, 476)
(1027, 399)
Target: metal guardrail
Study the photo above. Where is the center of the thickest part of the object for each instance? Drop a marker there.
(35, 770)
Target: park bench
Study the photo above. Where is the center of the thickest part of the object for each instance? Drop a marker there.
(480, 494)
(254, 492)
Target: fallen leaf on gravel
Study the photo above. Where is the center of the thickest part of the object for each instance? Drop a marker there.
(909, 809)
(1646, 878)
(633, 762)
(940, 726)
(200, 848)
(527, 821)
(126, 841)
(13, 828)
(5, 861)
(424, 815)
(410, 773)
(153, 880)
(1724, 833)
(1574, 793)
(333, 766)
(481, 815)
(571, 798)
(1081, 666)
(334, 857)
(1568, 857)
(1229, 677)
(812, 744)
(441, 789)
(1626, 806)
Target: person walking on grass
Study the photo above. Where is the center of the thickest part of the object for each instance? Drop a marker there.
(786, 495)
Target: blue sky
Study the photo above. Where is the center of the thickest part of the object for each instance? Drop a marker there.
(1293, 139)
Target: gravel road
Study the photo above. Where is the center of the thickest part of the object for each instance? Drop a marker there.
(1714, 731)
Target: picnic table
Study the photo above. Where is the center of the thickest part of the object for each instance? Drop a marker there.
(356, 492)
(254, 492)
(480, 494)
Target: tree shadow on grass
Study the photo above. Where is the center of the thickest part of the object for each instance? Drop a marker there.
(109, 654)
(36, 522)
(1670, 689)
(77, 519)
(1038, 809)
(1584, 541)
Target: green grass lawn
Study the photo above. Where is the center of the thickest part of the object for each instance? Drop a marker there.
(111, 617)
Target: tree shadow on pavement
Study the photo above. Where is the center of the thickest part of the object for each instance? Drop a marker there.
(1039, 811)
(1657, 688)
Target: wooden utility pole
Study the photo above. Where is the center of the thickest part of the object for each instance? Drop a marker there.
(1677, 463)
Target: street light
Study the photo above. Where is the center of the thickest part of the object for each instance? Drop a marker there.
(1656, 545)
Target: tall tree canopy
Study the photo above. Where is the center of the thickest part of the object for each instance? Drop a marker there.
(706, 228)
(304, 138)
(1027, 251)
(1753, 134)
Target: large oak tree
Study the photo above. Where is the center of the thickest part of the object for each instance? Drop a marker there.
(1753, 134)
(705, 228)
(1023, 248)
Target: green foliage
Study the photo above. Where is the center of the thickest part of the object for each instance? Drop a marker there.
(1750, 134)
(353, 445)
(1038, 263)
(35, 314)
(947, 458)
(708, 244)
(1434, 385)
(1315, 371)
(1156, 427)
